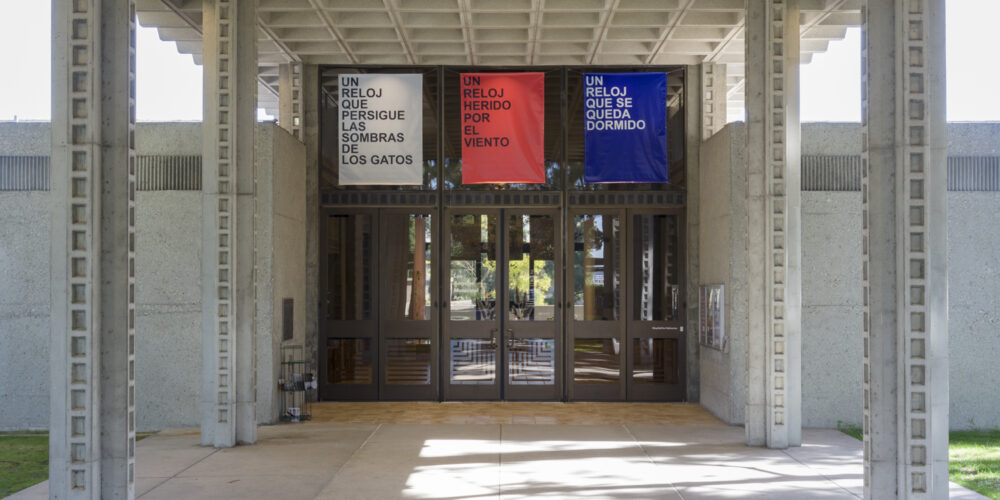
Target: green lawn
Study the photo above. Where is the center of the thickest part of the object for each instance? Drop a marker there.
(24, 460)
(973, 458)
(974, 461)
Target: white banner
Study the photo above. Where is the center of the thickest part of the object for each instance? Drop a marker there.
(379, 138)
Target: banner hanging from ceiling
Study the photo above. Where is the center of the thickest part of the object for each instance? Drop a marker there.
(625, 127)
(503, 131)
(379, 137)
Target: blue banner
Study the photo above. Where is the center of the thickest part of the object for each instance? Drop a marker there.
(625, 120)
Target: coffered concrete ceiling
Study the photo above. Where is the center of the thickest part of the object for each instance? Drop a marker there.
(499, 32)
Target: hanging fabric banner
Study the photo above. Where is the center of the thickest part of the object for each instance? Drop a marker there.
(380, 129)
(503, 127)
(625, 134)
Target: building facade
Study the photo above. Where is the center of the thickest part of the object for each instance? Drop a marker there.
(549, 291)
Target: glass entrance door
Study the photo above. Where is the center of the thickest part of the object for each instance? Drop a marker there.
(348, 312)
(595, 333)
(503, 314)
(656, 340)
(378, 322)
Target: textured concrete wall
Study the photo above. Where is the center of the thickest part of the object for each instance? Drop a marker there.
(722, 254)
(831, 284)
(168, 308)
(974, 308)
(25, 303)
(25, 139)
(831, 308)
(281, 254)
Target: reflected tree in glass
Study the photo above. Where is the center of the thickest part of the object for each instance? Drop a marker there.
(473, 267)
(407, 265)
(596, 273)
(531, 267)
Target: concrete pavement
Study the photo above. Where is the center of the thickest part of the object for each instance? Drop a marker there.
(450, 461)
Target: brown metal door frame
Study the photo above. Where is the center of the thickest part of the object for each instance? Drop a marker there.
(482, 330)
(331, 329)
(408, 329)
(594, 329)
(665, 330)
(515, 330)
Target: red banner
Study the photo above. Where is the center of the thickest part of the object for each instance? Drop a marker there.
(503, 128)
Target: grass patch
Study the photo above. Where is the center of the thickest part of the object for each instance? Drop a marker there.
(24, 460)
(973, 458)
(974, 461)
(852, 430)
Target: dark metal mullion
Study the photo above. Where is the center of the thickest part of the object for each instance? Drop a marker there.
(564, 215)
(501, 283)
(439, 245)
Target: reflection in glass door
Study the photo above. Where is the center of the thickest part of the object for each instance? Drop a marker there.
(503, 314)
(471, 326)
(533, 318)
(656, 323)
(595, 323)
(349, 321)
(379, 316)
(408, 310)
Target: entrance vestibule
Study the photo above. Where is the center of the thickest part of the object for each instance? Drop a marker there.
(510, 303)
(560, 290)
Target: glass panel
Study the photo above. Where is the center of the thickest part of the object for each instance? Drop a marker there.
(596, 361)
(473, 361)
(532, 362)
(408, 362)
(657, 269)
(349, 267)
(349, 361)
(532, 268)
(473, 267)
(655, 361)
(408, 292)
(596, 273)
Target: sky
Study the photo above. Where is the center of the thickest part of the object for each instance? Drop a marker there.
(169, 84)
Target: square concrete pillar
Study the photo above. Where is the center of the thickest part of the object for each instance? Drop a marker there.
(311, 138)
(92, 341)
(713, 98)
(904, 231)
(290, 98)
(693, 114)
(229, 127)
(774, 240)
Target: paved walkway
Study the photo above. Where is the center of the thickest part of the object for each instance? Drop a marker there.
(702, 458)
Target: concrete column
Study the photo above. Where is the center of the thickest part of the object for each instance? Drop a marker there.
(229, 127)
(92, 342)
(905, 250)
(774, 413)
(692, 158)
(310, 136)
(290, 98)
(713, 99)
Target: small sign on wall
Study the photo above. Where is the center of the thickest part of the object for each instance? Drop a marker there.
(287, 319)
(712, 317)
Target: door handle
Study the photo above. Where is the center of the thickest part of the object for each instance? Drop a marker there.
(493, 338)
(510, 338)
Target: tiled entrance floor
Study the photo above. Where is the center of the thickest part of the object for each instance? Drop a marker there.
(587, 450)
(513, 413)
